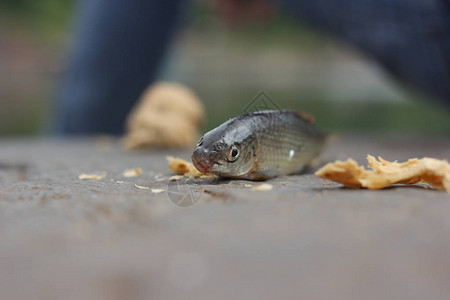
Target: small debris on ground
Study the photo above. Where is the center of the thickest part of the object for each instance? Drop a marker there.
(176, 177)
(247, 185)
(84, 176)
(207, 176)
(182, 167)
(141, 187)
(132, 172)
(157, 191)
(178, 166)
(262, 187)
(384, 173)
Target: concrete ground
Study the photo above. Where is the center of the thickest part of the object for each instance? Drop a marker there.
(65, 238)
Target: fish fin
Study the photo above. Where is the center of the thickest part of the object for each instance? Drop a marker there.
(307, 117)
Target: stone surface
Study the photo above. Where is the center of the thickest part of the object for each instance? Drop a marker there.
(65, 238)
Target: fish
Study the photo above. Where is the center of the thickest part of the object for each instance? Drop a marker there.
(259, 145)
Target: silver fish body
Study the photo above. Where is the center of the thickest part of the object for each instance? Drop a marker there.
(259, 145)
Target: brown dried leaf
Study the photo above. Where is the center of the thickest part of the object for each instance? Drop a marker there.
(167, 115)
(384, 173)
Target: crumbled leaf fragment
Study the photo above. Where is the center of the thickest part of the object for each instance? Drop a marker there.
(84, 176)
(262, 187)
(157, 191)
(182, 167)
(141, 187)
(132, 172)
(384, 173)
(175, 177)
(167, 115)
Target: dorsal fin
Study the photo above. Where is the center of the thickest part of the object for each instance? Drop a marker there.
(307, 117)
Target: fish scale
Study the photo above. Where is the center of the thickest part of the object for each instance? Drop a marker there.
(276, 141)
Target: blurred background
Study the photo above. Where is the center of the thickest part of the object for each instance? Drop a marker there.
(227, 61)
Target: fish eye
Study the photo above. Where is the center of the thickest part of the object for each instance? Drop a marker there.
(233, 153)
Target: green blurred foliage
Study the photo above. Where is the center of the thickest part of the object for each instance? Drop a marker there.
(48, 16)
(414, 116)
(48, 20)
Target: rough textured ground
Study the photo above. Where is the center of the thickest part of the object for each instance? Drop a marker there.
(63, 238)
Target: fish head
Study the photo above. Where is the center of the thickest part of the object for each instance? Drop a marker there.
(225, 151)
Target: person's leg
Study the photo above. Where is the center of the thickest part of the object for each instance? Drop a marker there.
(119, 45)
(411, 39)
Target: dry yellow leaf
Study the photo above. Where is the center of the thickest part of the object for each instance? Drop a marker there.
(166, 115)
(177, 165)
(384, 173)
(182, 167)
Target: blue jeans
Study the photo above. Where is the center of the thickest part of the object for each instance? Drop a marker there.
(118, 47)
(120, 44)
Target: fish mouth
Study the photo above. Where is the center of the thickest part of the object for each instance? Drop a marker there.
(202, 166)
